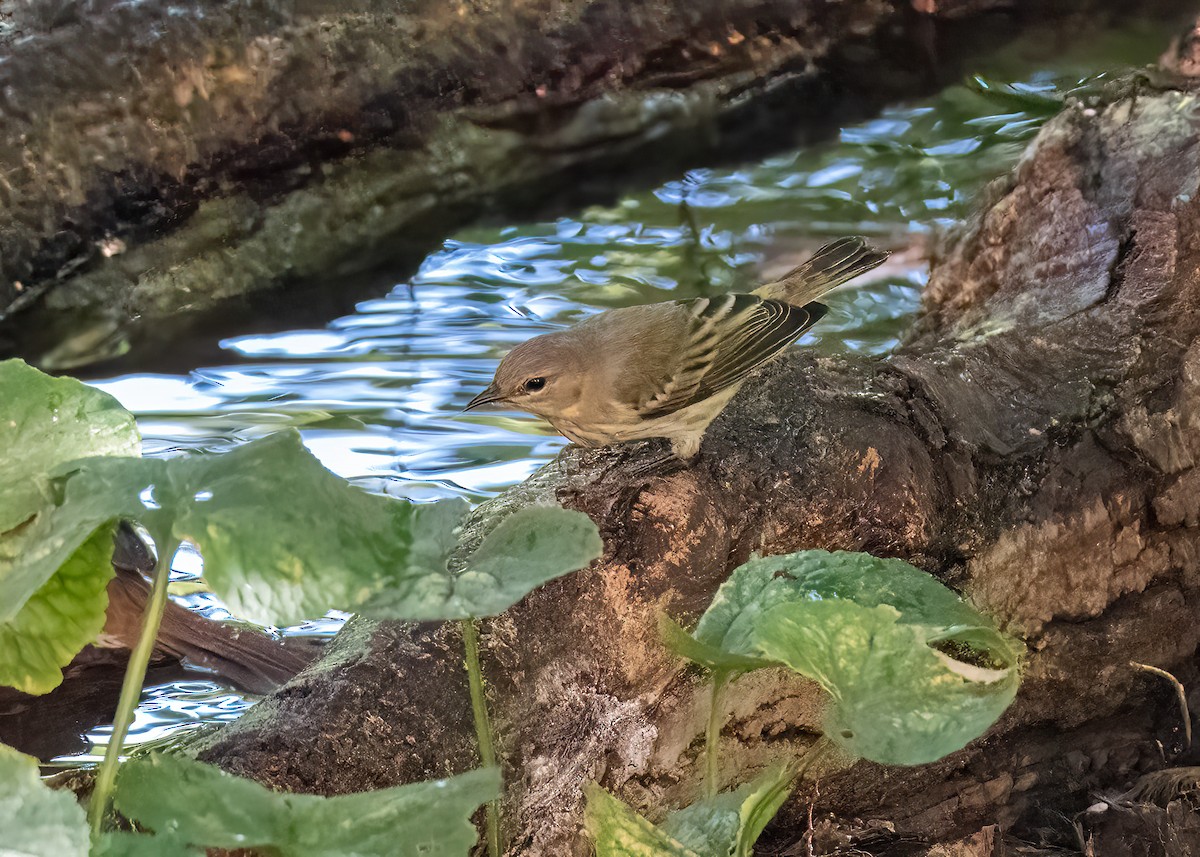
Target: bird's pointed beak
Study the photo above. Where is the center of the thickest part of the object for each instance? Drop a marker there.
(490, 394)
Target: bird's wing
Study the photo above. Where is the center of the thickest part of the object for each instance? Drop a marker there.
(728, 338)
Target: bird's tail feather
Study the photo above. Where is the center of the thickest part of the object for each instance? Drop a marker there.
(834, 264)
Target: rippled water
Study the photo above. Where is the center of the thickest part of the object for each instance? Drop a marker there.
(378, 393)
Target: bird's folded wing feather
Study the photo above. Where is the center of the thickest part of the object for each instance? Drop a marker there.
(728, 338)
(836, 263)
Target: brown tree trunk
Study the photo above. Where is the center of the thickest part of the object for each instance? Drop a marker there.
(1033, 444)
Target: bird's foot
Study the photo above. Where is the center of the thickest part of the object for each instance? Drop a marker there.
(657, 463)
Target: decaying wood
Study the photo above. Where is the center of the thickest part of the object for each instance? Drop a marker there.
(1034, 444)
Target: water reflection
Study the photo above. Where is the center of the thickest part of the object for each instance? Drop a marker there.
(378, 393)
(168, 713)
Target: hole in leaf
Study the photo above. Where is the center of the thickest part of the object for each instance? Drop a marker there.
(976, 656)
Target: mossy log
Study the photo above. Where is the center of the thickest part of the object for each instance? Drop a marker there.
(1034, 444)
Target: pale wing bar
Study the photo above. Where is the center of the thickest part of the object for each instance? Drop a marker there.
(733, 335)
(775, 327)
(703, 335)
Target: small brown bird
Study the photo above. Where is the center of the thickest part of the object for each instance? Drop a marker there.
(668, 369)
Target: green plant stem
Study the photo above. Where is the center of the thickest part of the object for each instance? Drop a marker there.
(712, 735)
(131, 687)
(483, 726)
(817, 753)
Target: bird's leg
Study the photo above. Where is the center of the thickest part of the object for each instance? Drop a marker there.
(659, 462)
(686, 447)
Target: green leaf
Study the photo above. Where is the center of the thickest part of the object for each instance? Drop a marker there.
(205, 806)
(675, 638)
(618, 831)
(896, 700)
(758, 585)
(45, 619)
(725, 826)
(123, 844)
(528, 548)
(31, 555)
(62, 617)
(283, 538)
(729, 824)
(761, 799)
(36, 820)
(46, 422)
(915, 672)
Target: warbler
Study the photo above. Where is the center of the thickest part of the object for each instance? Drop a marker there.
(666, 370)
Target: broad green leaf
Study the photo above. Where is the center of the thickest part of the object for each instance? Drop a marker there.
(33, 554)
(915, 672)
(62, 617)
(36, 820)
(204, 806)
(283, 538)
(122, 844)
(729, 824)
(761, 799)
(45, 619)
(46, 422)
(725, 826)
(895, 699)
(729, 623)
(528, 548)
(618, 831)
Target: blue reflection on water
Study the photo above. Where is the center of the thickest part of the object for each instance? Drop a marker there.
(168, 713)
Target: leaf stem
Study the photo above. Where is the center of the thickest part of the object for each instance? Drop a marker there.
(712, 734)
(131, 687)
(483, 726)
(1180, 693)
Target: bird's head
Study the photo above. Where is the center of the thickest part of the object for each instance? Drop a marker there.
(541, 376)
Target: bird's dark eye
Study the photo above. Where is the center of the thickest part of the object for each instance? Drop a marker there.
(535, 384)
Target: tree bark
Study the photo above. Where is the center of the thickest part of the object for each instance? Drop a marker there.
(1034, 444)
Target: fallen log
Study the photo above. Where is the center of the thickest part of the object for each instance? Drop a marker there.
(1033, 444)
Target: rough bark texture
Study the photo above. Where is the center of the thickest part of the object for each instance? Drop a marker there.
(157, 157)
(1034, 444)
